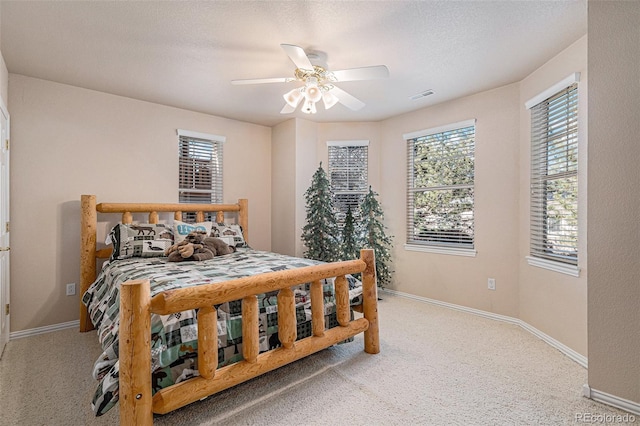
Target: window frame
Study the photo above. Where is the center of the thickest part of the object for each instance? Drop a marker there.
(215, 166)
(363, 169)
(438, 246)
(539, 152)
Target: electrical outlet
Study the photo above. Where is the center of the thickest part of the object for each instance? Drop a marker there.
(71, 289)
(491, 283)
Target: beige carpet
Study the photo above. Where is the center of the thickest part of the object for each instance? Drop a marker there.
(436, 367)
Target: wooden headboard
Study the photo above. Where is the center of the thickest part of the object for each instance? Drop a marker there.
(89, 254)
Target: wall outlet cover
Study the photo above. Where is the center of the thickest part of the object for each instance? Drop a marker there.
(491, 283)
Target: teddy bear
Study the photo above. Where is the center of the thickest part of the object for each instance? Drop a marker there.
(198, 246)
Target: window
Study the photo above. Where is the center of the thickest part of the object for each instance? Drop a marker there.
(554, 177)
(441, 188)
(348, 174)
(200, 169)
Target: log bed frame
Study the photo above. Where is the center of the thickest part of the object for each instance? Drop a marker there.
(137, 405)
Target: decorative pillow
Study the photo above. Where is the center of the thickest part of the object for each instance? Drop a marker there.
(229, 233)
(141, 240)
(182, 229)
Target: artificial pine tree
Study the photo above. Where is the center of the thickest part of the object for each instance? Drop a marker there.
(373, 231)
(349, 249)
(320, 234)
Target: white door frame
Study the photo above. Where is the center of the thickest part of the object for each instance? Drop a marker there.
(5, 254)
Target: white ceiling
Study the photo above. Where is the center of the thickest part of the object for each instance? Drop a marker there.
(184, 54)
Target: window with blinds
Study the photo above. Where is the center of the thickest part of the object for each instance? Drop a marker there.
(440, 197)
(348, 174)
(554, 177)
(200, 169)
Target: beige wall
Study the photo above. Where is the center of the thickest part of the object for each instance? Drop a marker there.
(4, 74)
(294, 162)
(457, 279)
(283, 213)
(614, 203)
(306, 164)
(4, 81)
(555, 303)
(68, 141)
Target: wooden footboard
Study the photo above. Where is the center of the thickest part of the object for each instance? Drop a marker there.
(137, 404)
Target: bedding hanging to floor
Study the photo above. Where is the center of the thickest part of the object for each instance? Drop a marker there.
(174, 337)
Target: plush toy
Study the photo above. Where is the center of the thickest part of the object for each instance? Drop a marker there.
(198, 246)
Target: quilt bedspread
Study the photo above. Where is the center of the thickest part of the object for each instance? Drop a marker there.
(174, 337)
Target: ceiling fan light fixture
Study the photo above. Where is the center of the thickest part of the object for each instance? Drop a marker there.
(329, 99)
(317, 81)
(293, 97)
(312, 92)
(309, 107)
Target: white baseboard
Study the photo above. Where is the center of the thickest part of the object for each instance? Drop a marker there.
(612, 400)
(42, 330)
(575, 356)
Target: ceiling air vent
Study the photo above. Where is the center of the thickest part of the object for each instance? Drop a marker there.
(421, 95)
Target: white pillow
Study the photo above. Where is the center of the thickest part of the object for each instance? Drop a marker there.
(182, 229)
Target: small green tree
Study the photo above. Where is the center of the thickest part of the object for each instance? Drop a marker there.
(374, 236)
(349, 249)
(320, 234)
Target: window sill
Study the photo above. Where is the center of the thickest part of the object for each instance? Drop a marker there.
(453, 251)
(562, 268)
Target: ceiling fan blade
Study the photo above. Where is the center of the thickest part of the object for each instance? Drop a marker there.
(364, 73)
(297, 55)
(346, 99)
(287, 109)
(263, 80)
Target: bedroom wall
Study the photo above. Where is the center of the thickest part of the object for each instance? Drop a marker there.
(68, 141)
(555, 303)
(294, 162)
(4, 75)
(614, 204)
(306, 165)
(283, 213)
(4, 81)
(457, 279)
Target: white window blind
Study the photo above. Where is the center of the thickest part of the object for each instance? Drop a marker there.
(200, 168)
(554, 177)
(440, 197)
(348, 174)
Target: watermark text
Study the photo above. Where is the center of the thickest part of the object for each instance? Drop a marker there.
(604, 418)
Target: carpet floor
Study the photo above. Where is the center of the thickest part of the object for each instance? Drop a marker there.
(437, 366)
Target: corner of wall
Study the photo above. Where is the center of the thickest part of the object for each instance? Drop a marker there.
(4, 81)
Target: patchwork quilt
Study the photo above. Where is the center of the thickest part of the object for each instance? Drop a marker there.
(174, 338)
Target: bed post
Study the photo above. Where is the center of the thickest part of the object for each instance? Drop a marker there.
(88, 225)
(243, 218)
(370, 302)
(136, 405)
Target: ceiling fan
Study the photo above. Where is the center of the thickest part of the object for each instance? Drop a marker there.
(319, 82)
